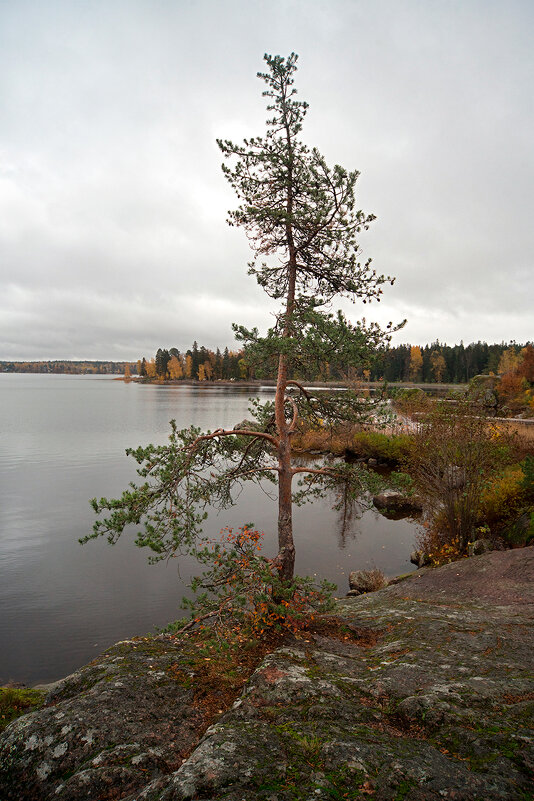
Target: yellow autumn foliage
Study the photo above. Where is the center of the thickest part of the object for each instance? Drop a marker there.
(502, 496)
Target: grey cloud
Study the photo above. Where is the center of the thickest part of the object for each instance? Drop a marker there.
(112, 205)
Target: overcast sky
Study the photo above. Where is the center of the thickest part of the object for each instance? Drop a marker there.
(113, 239)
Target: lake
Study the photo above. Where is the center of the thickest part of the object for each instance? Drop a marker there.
(62, 442)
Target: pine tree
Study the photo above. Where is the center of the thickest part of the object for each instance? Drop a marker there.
(302, 222)
(226, 364)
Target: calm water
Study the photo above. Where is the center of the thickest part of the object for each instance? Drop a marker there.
(62, 441)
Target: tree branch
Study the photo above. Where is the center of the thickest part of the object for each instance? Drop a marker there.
(227, 432)
(293, 424)
(245, 454)
(255, 470)
(195, 621)
(305, 392)
(320, 471)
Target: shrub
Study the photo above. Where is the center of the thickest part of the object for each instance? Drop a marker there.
(502, 498)
(367, 580)
(334, 440)
(392, 448)
(455, 449)
(521, 531)
(242, 595)
(512, 392)
(438, 546)
(506, 503)
(527, 467)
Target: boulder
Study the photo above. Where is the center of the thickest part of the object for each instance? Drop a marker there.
(486, 381)
(247, 425)
(479, 546)
(416, 700)
(482, 390)
(396, 501)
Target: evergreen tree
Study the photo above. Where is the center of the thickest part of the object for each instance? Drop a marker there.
(301, 219)
(217, 368)
(162, 360)
(226, 365)
(195, 355)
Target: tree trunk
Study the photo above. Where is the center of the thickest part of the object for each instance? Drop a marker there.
(286, 548)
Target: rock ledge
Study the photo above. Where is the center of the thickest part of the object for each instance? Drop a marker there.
(436, 703)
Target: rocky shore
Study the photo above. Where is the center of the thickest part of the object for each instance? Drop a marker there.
(428, 694)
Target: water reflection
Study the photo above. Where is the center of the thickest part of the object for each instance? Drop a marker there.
(348, 513)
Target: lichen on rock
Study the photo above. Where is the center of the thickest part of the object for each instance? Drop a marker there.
(109, 726)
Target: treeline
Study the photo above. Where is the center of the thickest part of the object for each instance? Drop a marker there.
(450, 364)
(454, 364)
(64, 366)
(197, 363)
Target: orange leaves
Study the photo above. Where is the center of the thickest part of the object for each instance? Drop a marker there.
(416, 363)
(439, 365)
(515, 388)
(242, 595)
(175, 367)
(446, 552)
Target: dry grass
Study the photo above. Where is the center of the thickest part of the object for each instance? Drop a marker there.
(369, 442)
(523, 431)
(370, 580)
(390, 445)
(324, 440)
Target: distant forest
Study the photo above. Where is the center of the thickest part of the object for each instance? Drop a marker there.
(64, 366)
(454, 364)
